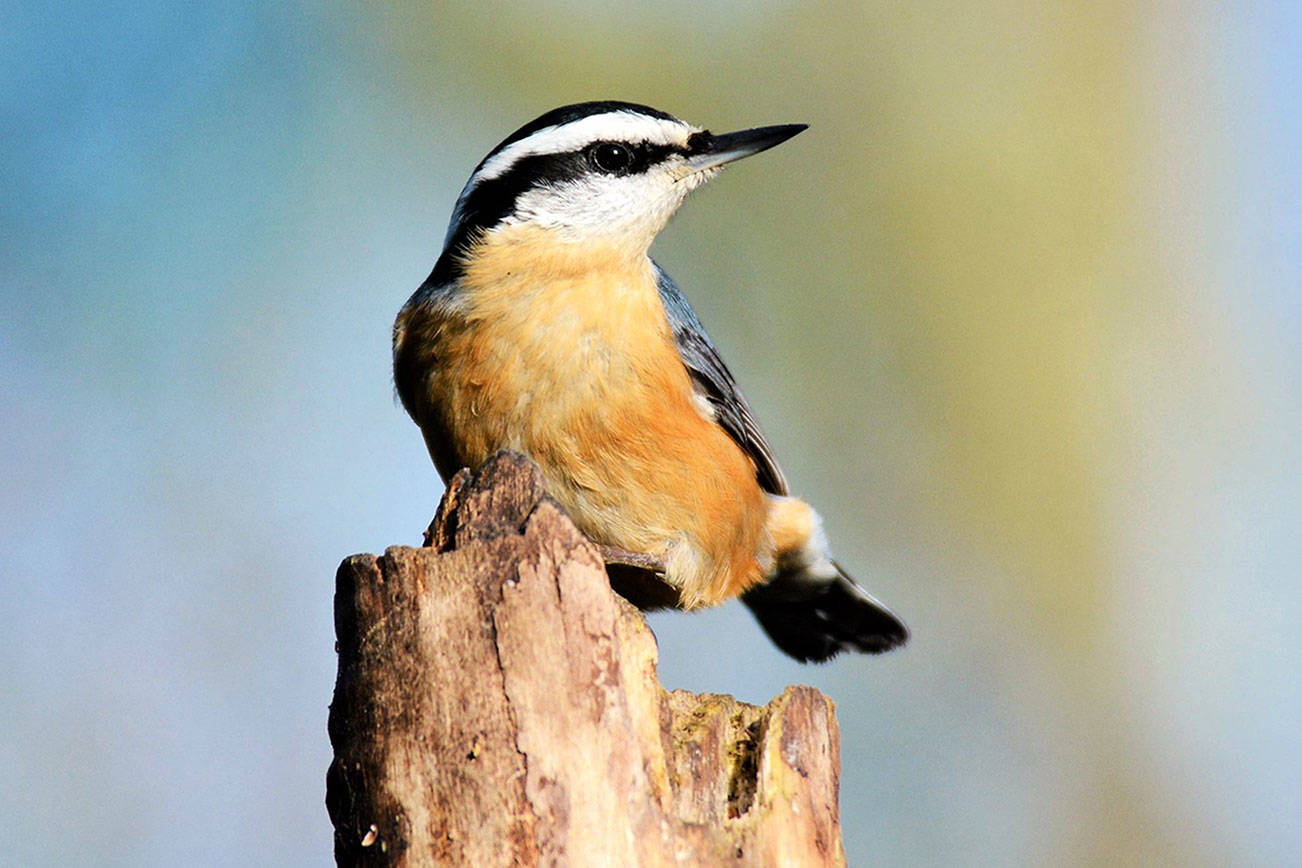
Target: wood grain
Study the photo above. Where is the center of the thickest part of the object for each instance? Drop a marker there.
(497, 704)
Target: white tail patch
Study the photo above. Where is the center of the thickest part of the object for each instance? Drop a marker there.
(799, 543)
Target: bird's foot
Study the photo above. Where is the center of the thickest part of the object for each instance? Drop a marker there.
(639, 578)
(624, 557)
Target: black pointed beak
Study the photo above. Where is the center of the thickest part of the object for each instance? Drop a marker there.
(707, 150)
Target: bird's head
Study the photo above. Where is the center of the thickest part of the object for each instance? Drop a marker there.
(597, 173)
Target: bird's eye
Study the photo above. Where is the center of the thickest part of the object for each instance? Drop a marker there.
(610, 157)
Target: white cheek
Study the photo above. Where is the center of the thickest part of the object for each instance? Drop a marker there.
(632, 208)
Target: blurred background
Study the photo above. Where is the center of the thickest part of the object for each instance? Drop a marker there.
(1019, 312)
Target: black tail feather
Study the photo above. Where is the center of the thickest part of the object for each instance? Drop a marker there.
(814, 619)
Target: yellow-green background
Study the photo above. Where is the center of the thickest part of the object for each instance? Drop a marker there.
(1020, 313)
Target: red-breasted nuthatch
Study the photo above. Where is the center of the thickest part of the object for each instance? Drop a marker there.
(545, 328)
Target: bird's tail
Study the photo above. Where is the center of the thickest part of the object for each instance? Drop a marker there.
(816, 613)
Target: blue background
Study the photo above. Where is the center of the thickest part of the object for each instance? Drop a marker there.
(1020, 313)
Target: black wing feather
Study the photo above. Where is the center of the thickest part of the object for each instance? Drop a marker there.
(714, 382)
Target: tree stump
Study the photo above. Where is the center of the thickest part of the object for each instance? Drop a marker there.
(497, 704)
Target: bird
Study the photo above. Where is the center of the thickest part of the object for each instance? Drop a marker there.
(546, 328)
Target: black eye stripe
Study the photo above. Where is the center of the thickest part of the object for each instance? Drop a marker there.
(699, 142)
(626, 158)
(652, 154)
(493, 200)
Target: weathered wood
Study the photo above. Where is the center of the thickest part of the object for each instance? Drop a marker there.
(496, 704)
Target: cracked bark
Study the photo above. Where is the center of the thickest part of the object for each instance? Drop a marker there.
(497, 704)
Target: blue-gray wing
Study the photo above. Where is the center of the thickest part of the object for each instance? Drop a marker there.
(714, 382)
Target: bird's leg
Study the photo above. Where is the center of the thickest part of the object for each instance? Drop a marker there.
(639, 578)
(624, 557)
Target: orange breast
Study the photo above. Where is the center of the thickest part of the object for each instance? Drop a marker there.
(567, 356)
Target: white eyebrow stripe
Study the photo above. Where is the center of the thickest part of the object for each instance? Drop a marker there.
(619, 126)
